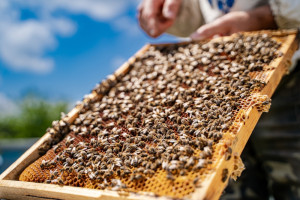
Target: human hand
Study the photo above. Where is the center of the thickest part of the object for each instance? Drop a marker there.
(257, 19)
(156, 16)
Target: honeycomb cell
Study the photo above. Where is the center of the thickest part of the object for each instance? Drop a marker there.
(163, 126)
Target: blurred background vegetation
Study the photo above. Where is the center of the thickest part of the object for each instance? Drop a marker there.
(35, 114)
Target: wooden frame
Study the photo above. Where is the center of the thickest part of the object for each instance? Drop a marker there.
(211, 187)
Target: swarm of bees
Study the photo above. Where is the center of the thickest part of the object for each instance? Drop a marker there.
(166, 114)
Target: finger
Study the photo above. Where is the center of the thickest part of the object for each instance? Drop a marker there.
(218, 27)
(153, 27)
(148, 19)
(171, 8)
(152, 8)
(161, 27)
(158, 29)
(142, 24)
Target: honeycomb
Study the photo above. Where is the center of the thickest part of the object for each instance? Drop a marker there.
(160, 128)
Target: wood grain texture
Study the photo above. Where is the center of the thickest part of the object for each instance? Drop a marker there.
(19, 190)
(211, 188)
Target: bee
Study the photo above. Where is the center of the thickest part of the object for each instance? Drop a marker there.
(200, 164)
(83, 134)
(134, 161)
(69, 161)
(182, 172)
(206, 151)
(151, 150)
(53, 174)
(195, 181)
(224, 174)
(56, 148)
(170, 177)
(110, 125)
(92, 176)
(59, 181)
(69, 140)
(149, 172)
(228, 153)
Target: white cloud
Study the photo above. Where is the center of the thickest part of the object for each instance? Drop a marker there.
(7, 106)
(24, 43)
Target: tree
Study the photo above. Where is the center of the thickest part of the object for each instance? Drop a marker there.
(35, 116)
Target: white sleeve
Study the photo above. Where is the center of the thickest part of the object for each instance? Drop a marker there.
(286, 13)
(188, 19)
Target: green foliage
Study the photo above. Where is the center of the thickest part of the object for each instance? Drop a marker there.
(34, 117)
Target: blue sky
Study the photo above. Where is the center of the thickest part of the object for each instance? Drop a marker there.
(62, 48)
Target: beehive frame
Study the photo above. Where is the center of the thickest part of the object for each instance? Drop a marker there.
(211, 187)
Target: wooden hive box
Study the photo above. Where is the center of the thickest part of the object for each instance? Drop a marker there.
(214, 181)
